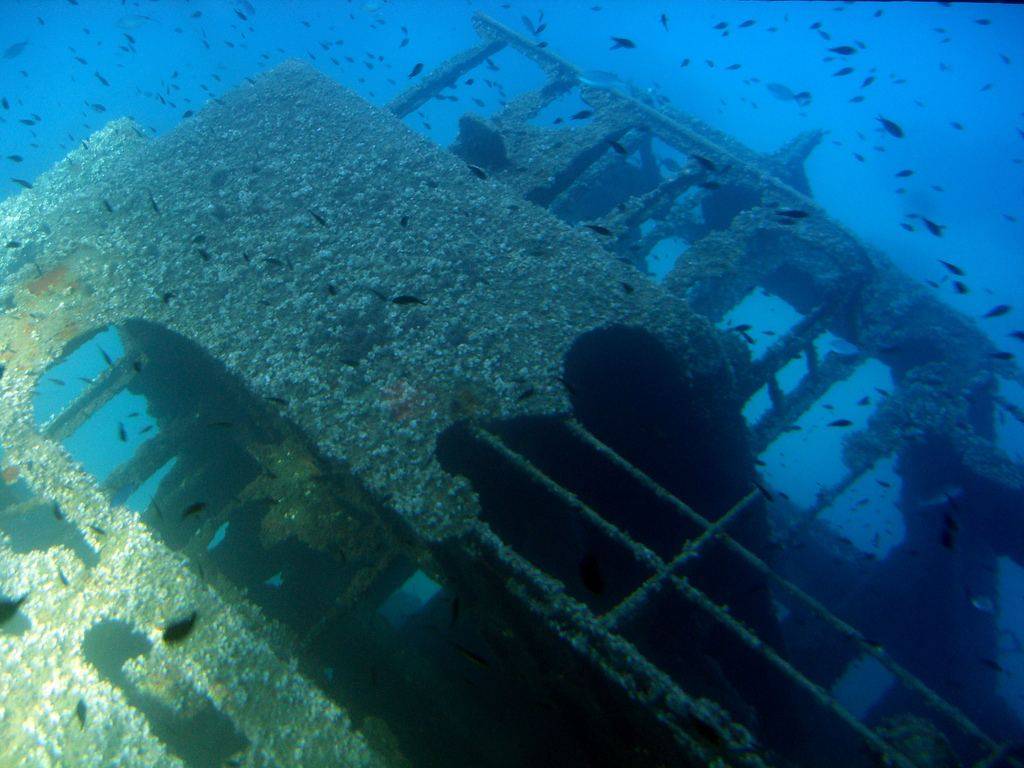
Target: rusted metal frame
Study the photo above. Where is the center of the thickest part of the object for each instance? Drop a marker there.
(554, 66)
(691, 550)
(640, 552)
(819, 610)
(819, 694)
(834, 369)
(109, 383)
(442, 76)
(645, 556)
(616, 656)
(788, 347)
(148, 457)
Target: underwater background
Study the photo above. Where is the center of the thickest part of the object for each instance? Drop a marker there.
(942, 196)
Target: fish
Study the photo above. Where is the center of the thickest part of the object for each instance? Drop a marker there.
(80, 712)
(63, 578)
(998, 311)
(1001, 355)
(122, 434)
(108, 206)
(15, 158)
(792, 213)
(893, 129)
(765, 492)
(840, 423)
(783, 93)
(747, 23)
(960, 287)
(526, 394)
(591, 575)
(621, 42)
(416, 69)
(952, 268)
(193, 509)
(13, 51)
(844, 50)
(842, 72)
(218, 537)
(9, 607)
(935, 229)
(479, 172)
(583, 114)
(664, 21)
(992, 664)
(319, 219)
(407, 299)
(22, 183)
(58, 513)
(904, 173)
(167, 296)
(152, 203)
(101, 78)
(476, 658)
(179, 629)
(1018, 335)
(97, 530)
(617, 147)
(601, 230)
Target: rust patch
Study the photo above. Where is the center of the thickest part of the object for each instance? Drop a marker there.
(55, 278)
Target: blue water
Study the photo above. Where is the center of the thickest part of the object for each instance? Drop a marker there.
(933, 66)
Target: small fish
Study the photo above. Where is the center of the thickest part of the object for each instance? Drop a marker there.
(998, 310)
(80, 712)
(167, 296)
(960, 287)
(193, 509)
(621, 42)
(526, 394)
(218, 537)
(122, 434)
(583, 114)
(952, 268)
(1001, 355)
(58, 513)
(904, 173)
(15, 50)
(152, 203)
(479, 172)
(407, 299)
(893, 129)
(840, 423)
(10, 607)
(15, 158)
(101, 78)
(319, 219)
(765, 492)
(844, 50)
(842, 72)
(935, 229)
(22, 183)
(476, 658)
(992, 664)
(416, 69)
(618, 147)
(180, 629)
(108, 206)
(63, 578)
(591, 574)
(96, 529)
(792, 213)
(601, 230)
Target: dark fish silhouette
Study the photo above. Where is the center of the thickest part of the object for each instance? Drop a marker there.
(622, 42)
(15, 50)
(479, 172)
(935, 229)
(583, 114)
(952, 268)
(591, 575)
(840, 423)
(844, 50)
(10, 607)
(80, 712)
(180, 629)
(998, 310)
(416, 69)
(406, 299)
(599, 229)
(193, 509)
(893, 129)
